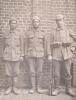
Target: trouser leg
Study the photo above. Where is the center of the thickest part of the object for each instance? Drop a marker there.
(67, 68)
(39, 66)
(8, 68)
(8, 71)
(56, 73)
(31, 62)
(56, 69)
(16, 72)
(12, 71)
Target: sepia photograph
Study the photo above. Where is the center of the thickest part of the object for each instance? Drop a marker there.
(37, 49)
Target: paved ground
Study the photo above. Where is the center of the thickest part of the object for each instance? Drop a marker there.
(36, 97)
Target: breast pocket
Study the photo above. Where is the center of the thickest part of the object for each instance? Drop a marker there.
(41, 39)
(40, 42)
(17, 50)
(8, 41)
(30, 40)
(30, 36)
(16, 41)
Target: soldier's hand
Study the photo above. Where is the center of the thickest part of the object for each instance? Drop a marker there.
(65, 44)
(72, 49)
(57, 44)
(21, 58)
(50, 58)
(2, 58)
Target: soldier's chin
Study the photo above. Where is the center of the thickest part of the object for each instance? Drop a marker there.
(12, 28)
(60, 26)
(36, 26)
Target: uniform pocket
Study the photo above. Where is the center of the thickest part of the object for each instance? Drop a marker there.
(30, 36)
(17, 50)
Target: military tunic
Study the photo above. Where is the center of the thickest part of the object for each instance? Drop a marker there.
(61, 54)
(36, 43)
(63, 36)
(13, 49)
(35, 52)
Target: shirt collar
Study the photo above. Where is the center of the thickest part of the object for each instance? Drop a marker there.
(58, 29)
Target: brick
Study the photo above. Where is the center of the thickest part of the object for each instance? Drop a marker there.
(45, 9)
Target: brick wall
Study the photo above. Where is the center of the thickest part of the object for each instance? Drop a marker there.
(45, 9)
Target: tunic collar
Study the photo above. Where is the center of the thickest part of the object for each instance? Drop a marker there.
(63, 28)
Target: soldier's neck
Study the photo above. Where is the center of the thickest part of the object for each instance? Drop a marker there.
(35, 28)
(12, 30)
(61, 28)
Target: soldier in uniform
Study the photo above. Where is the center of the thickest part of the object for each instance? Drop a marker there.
(35, 52)
(13, 54)
(60, 50)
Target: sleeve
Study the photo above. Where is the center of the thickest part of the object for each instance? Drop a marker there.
(49, 42)
(4, 41)
(22, 40)
(25, 43)
(73, 36)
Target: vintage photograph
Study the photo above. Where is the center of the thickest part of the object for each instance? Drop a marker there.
(37, 49)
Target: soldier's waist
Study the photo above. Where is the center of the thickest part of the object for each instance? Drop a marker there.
(35, 49)
(11, 46)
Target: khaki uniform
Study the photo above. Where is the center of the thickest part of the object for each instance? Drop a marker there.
(35, 43)
(13, 51)
(13, 46)
(61, 54)
(35, 51)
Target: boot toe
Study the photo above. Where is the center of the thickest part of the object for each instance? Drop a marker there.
(17, 91)
(31, 91)
(8, 91)
(71, 92)
(25, 91)
(55, 92)
(41, 91)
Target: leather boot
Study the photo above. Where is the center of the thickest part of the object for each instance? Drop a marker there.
(56, 90)
(39, 89)
(34, 87)
(15, 89)
(9, 89)
(69, 90)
